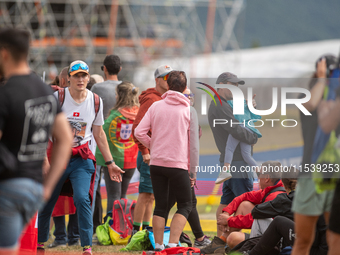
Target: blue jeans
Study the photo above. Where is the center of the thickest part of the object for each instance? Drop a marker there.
(96, 180)
(20, 199)
(240, 183)
(72, 229)
(79, 171)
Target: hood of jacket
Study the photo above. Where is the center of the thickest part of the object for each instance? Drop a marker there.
(175, 98)
(129, 112)
(150, 93)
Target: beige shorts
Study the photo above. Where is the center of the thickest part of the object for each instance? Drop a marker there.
(308, 202)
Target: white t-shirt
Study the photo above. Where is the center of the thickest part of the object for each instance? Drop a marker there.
(81, 116)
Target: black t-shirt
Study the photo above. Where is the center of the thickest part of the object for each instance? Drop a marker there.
(27, 112)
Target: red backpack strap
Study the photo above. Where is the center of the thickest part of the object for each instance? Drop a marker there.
(61, 96)
(130, 206)
(96, 100)
(119, 224)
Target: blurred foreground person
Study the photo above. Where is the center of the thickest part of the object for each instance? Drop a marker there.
(310, 202)
(329, 120)
(28, 114)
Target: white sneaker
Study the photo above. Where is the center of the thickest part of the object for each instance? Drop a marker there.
(223, 176)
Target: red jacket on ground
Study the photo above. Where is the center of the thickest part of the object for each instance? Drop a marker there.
(146, 99)
(255, 197)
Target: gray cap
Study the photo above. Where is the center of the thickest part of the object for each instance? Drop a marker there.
(229, 77)
(162, 70)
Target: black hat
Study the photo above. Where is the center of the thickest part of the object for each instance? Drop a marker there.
(229, 77)
(331, 61)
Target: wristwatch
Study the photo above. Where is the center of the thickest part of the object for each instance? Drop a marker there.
(109, 162)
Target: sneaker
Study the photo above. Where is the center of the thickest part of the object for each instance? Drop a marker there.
(201, 244)
(56, 244)
(215, 247)
(167, 246)
(184, 238)
(222, 177)
(87, 250)
(41, 246)
(74, 244)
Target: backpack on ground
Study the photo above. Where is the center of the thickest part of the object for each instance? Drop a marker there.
(102, 232)
(139, 242)
(122, 217)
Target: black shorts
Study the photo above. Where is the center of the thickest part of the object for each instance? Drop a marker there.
(334, 220)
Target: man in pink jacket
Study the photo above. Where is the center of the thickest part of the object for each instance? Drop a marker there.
(169, 120)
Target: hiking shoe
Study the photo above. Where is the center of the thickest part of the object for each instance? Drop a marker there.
(222, 177)
(215, 247)
(56, 244)
(87, 250)
(201, 244)
(184, 238)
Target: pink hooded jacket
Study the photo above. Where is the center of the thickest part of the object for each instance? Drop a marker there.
(169, 120)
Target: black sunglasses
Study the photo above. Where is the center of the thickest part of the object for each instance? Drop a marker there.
(102, 67)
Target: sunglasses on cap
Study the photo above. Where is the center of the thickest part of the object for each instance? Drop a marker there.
(79, 66)
(191, 95)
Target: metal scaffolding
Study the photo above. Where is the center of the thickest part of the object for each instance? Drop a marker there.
(136, 30)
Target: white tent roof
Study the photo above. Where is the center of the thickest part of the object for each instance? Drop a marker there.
(282, 61)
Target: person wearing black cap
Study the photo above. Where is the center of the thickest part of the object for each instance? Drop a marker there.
(241, 182)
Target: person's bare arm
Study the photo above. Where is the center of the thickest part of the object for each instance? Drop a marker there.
(318, 89)
(62, 143)
(329, 115)
(100, 137)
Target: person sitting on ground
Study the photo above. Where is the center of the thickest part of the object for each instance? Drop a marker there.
(282, 228)
(241, 206)
(264, 213)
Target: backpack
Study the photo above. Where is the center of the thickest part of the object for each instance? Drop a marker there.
(139, 242)
(122, 216)
(61, 98)
(102, 232)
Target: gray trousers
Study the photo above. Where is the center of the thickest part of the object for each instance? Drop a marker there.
(259, 227)
(115, 190)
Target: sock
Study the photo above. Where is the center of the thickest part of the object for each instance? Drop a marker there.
(136, 226)
(223, 239)
(159, 246)
(172, 245)
(145, 224)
